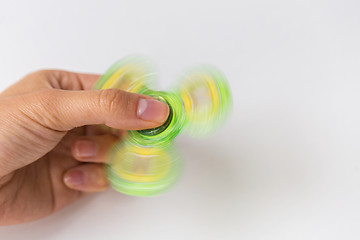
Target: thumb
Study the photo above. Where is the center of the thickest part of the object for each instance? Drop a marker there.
(63, 110)
(33, 124)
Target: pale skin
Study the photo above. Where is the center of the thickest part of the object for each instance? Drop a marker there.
(54, 135)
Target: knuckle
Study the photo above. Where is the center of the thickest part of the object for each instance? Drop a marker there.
(34, 75)
(47, 113)
(114, 101)
(46, 98)
(40, 73)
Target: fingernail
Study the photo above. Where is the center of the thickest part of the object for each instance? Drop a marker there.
(152, 110)
(74, 178)
(85, 148)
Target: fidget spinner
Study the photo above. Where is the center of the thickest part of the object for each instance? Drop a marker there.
(146, 163)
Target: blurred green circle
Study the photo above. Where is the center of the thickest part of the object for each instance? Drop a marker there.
(162, 135)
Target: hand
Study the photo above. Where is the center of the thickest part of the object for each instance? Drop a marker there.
(53, 140)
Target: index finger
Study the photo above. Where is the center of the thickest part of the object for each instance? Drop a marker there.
(88, 80)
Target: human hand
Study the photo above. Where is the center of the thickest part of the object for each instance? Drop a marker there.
(53, 143)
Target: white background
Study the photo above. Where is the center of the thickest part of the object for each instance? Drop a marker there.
(285, 166)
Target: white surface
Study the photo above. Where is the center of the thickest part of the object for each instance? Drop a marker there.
(286, 166)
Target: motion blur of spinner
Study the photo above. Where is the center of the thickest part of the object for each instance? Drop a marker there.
(146, 163)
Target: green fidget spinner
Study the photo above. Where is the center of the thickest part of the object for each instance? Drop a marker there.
(146, 163)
